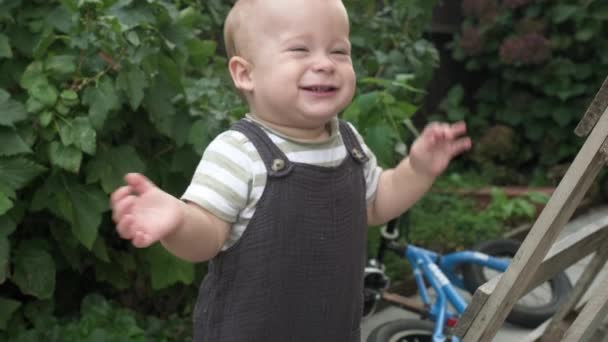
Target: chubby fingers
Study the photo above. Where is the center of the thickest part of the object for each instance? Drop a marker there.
(119, 201)
(460, 142)
(460, 145)
(119, 194)
(126, 227)
(141, 239)
(443, 130)
(457, 129)
(439, 131)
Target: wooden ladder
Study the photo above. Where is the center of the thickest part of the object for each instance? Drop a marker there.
(538, 259)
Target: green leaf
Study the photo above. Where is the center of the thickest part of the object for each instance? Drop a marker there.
(61, 65)
(11, 111)
(7, 309)
(166, 269)
(45, 118)
(80, 133)
(70, 247)
(159, 106)
(381, 143)
(88, 203)
(100, 250)
(69, 98)
(133, 38)
(117, 272)
(80, 205)
(18, 172)
(5, 47)
(352, 112)
(34, 271)
(32, 75)
(171, 71)
(61, 19)
(133, 82)
(199, 136)
(5, 204)
(45, 92)
(33, 106)
(110, 166)
(11, 143)
(5, 249)
(66, 157)
(201, 50)
(101, 100)
(368, 101)
(562, 13)
(189, 17)
(46, 39)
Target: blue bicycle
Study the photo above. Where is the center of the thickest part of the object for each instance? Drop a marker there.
(466, 270)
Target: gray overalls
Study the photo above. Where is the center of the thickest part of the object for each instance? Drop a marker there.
(296, 274)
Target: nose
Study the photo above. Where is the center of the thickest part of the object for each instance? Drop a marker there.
(323, 63)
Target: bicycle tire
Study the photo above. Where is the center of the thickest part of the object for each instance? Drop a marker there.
(521, 315)
(403, 330)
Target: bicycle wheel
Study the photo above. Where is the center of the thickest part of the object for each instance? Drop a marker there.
(403, 330)
(535, 307)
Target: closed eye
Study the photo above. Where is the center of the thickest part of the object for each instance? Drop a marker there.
(298, 49)
(341, 52)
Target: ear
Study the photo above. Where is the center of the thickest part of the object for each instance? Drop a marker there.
(240, 70)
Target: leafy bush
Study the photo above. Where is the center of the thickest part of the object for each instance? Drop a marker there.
(98, 320)
(92, 89)
(539, 64)
(89, 91)
(393, 62)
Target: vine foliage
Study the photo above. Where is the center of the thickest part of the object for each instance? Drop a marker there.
(539, 64)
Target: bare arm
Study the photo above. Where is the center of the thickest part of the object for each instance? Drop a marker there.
(145, 215)
(398, 190)
(200, 236)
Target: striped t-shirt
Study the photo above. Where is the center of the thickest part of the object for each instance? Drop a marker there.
(231, 176)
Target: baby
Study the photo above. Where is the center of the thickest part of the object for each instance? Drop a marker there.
(279, 204)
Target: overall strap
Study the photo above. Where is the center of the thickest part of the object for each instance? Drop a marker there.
(277, 164)
(352, 143)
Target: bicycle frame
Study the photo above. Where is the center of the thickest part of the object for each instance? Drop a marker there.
(439, 271)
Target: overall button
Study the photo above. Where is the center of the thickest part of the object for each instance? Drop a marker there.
(357, 154)
(278, 165)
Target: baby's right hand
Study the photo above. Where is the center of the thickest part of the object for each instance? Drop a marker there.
(144, 213)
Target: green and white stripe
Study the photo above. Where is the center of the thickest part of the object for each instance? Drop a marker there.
(231, 176)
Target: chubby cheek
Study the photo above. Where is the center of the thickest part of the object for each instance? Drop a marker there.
(350, 83)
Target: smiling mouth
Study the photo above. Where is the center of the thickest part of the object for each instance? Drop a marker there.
(320, 89)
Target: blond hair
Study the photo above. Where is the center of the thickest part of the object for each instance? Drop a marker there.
(235, 34)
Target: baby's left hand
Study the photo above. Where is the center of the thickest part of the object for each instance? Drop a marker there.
(438, 143)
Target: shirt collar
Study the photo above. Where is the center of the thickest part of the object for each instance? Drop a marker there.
(332, 124)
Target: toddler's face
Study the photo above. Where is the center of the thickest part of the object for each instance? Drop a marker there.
(301, 66)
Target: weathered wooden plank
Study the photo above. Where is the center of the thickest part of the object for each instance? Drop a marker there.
(601, 334)
(535, 334)
(566, 252)
(556, 329)
(474, 307)
(549, 224)
(592, 316)
(596, 108)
